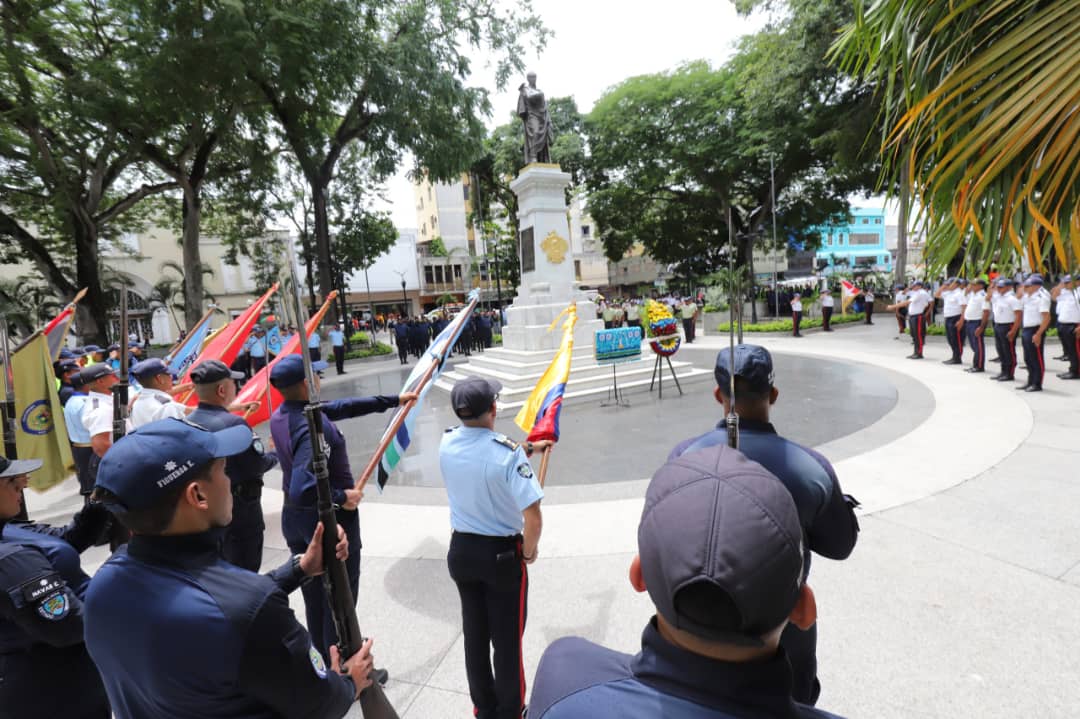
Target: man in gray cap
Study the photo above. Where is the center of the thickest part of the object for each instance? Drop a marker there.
(951, 294)
(917, 301)
(826, 513)
(1035, 312)
(494, 502)
(154, 401)
(1068, 319)
(720, 554)
(1007, 314)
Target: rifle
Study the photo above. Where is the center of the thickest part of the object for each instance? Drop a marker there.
(732, 419)
(120, 389)
(373, 701)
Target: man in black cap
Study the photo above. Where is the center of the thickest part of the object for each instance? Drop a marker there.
(917, 301)
(66, 370)
(494, 500)
(289, 429)
(974, 318)
(45, 671)
(1008, 315)
(154, 401)
(174, 628)
(215, 385)
(827, 515)
(720, 554)
(1067, 297)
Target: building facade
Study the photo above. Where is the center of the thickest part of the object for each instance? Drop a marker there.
(855, 246)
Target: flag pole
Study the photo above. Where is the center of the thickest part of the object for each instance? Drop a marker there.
(8, 428)
(544, 465)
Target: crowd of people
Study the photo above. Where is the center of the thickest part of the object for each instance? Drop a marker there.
(413, 335)
(621, 312)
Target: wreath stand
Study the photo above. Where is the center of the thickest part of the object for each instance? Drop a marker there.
(658, 371)
(614, 391)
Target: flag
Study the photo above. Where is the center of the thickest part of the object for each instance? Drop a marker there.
(273, 340)
(540, 414)
(258, 388)
(228, 342)
(848, 294)
(421, 379)
(184, 354)
(40, 432)
(56, 330)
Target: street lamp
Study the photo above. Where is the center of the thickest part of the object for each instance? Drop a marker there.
(404, 297)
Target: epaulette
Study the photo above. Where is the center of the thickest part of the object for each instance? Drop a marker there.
(162, 400)
(448, 430)
(505, 441)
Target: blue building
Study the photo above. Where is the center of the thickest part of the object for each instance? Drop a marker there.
(856, 246)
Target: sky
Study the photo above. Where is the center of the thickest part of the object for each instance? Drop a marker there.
(597, 44)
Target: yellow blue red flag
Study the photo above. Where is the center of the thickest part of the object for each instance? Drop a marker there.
(540, 415)
(40, 432)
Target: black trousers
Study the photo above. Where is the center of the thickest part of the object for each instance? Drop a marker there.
(901, 318)
(796, 320)
(1070, 341)
(257, 363)
(403, 351)
(316, 353)
(1034, 356)
(1006, 348)
(801, 650)
(688, 328)
(493, 582)
(339, 358)
(977, 344)
(243, 542)
(954, 336)
(826, 317)
(917, 326)
(869, 312)
(298, 525)
(82, 456)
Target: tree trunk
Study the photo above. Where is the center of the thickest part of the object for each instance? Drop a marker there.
(309, 264)
(750, 264)
(91, 315)
(900, 270)
(193, 276)
(322, 237)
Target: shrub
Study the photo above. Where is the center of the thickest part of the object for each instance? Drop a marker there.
(939, 331)
(368, 351)
(784, 325)
(359, 338)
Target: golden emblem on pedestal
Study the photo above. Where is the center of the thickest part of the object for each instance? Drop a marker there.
(554, 247)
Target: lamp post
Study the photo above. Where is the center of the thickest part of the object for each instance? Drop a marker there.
(404, 297)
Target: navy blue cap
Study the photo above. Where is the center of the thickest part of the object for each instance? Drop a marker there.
(917, 283)
(66, 354)
(149, 368)
(67, 365)
(288, 371)
(90, 349)
(1066, 278)
(1003, 282)
(1033, 281)
(114, 346)
(979, 281)
(95, 371)
(143, 465)
(716, 518)
(212, 371)
(473, 396)
(753, 364)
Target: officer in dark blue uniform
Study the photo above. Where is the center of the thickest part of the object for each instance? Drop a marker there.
(215, 385)
(289, 428)
(45, 672)
(65, 371)
(495, 514)
(175, 629)
(827, 514)
(401, 337)
(719, 552)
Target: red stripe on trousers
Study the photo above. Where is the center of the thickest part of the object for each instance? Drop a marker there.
(1042, 363)
(960, 340)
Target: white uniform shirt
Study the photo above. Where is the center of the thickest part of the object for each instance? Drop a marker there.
(1005, 307)
(97, 414)
(153, 404)
(1068, 309)
(952, 302)
(920, 300)
(974, 304)
(1034, 305)
(827, 300)
(796, 305)
(900, 296)
(869, 296)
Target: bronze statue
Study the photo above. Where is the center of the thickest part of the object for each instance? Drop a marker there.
(533, 111)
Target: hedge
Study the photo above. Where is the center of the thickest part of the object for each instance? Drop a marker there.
(366, 351)
(785, 324)
(939, 331)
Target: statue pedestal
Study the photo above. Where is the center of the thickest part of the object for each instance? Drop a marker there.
(548, 286)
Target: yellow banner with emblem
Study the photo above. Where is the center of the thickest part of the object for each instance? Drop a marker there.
(40, 432)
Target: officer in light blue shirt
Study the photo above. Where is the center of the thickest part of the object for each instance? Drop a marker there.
(81, 451)
(314, 344)
(337, 341)
(494, 501)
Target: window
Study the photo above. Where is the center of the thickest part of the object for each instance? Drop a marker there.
(434, 222)
(577, 266)
(864, 238)
(457, 272)
(439, 274)
(869, 260)
(865, 221)
(828, 239)
(586, 231)
(877, 220)
(429, 277)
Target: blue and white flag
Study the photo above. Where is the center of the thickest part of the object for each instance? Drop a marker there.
(182, 357)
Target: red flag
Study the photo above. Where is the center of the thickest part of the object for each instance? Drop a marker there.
(56, 331)
(227, 343)
(258, 388)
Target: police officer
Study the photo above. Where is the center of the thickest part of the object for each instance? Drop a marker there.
(1068, 321)
(289, 428)
(176, 630)
(1035, 311)
(97, 414)
(868, 304)
(79, 438)
(495, 515)
(828, 303)
(314, 344)
(974, 318)
(401, 336)
(337, 342)
(1007, 318)
(951, 294)
(719, 554)
(154, 401)
(258, 346)
(899, 295)
(65, 371)
(215, 386)
(45, 671)
(916, 301)
(826, 513)
(796, 314)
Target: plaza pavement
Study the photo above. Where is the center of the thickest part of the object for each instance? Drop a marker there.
(962, 597)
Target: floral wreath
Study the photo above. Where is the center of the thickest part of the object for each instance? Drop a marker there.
(663, 329)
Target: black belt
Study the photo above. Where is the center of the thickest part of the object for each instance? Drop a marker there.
(489, 537)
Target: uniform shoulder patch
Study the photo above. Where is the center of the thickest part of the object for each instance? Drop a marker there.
(317, 662)
(47, 596)
(525, 470)
(505, 441)
(162, 399)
